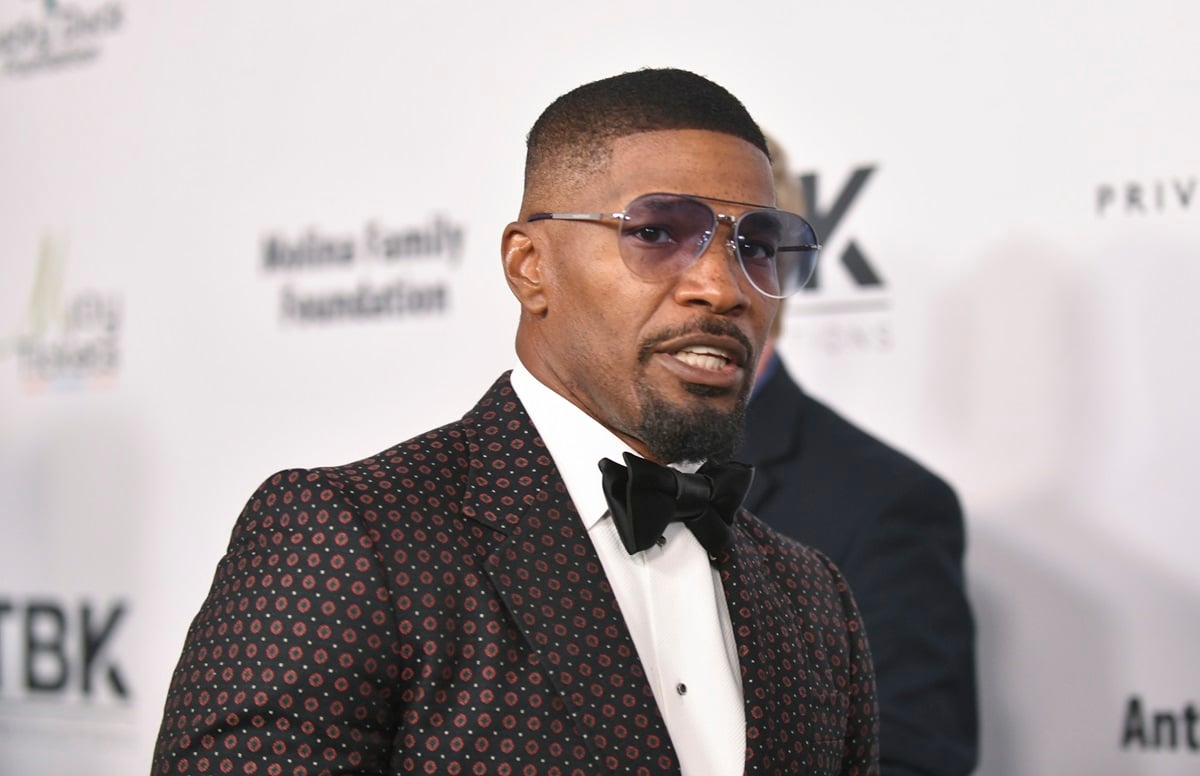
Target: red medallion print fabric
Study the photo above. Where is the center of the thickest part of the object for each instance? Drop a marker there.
(438, 608)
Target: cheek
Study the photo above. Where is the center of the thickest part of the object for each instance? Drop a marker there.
(603, 312)
(604, 304)
(576, 272)
(765, 319)
(582, 318)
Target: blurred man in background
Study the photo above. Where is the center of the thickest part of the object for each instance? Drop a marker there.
(895, 530)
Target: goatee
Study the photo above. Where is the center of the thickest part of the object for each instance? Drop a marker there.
(675, 433)
(693, 432)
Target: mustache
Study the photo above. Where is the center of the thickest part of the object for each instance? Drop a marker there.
(719, 327)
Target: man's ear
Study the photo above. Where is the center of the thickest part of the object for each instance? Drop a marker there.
(520, 250)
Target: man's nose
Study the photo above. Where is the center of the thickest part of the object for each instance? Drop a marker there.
(716, 279)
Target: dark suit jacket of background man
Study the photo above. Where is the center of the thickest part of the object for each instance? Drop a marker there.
(440, 607)
(896, 532)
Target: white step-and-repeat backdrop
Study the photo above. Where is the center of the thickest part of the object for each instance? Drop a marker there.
(242, 236)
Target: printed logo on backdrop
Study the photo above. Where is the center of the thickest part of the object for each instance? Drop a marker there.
(378, 273)
(1147, 728)
(68, 341)
(1152, 196)
(844, 309)
(62, 661)
(51, 34)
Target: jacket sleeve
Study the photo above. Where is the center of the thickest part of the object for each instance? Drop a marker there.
(291, 660)
(860, 753)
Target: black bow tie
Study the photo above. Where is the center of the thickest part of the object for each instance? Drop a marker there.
(645, 497)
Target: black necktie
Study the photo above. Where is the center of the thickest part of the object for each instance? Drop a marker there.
(644, 497)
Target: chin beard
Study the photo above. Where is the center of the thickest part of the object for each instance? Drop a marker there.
(675, 433)
(695, 431)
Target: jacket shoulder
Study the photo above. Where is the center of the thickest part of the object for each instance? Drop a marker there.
(436, 464)
(849, 443)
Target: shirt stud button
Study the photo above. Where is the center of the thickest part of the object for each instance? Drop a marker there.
(661, 541)
(681, 688)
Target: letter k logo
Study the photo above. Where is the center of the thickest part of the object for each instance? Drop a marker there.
(826, 223)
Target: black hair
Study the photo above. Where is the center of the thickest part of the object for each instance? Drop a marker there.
(574, 135)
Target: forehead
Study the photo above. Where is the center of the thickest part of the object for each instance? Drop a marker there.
(688, 161)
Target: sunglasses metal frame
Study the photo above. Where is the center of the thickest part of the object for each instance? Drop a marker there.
(718, 218)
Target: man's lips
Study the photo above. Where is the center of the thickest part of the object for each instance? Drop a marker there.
(710, 351)
(702, 348)
(705, 358)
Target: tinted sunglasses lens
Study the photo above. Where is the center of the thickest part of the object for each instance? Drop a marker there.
(662, 234)
(777, 249)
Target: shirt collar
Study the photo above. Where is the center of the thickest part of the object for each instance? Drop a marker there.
(576, 442)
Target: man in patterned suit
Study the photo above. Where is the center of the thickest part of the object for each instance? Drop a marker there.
(479, 599)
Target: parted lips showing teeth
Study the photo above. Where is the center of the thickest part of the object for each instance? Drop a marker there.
(704, 357)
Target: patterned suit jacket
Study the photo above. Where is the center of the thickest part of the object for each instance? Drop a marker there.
(439, 608)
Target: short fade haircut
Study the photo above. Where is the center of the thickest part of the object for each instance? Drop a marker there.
(573, 137)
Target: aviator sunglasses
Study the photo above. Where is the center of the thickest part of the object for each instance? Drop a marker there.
(660, 235)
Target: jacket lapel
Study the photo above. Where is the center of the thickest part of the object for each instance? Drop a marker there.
(546, 571)
(770, 652)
